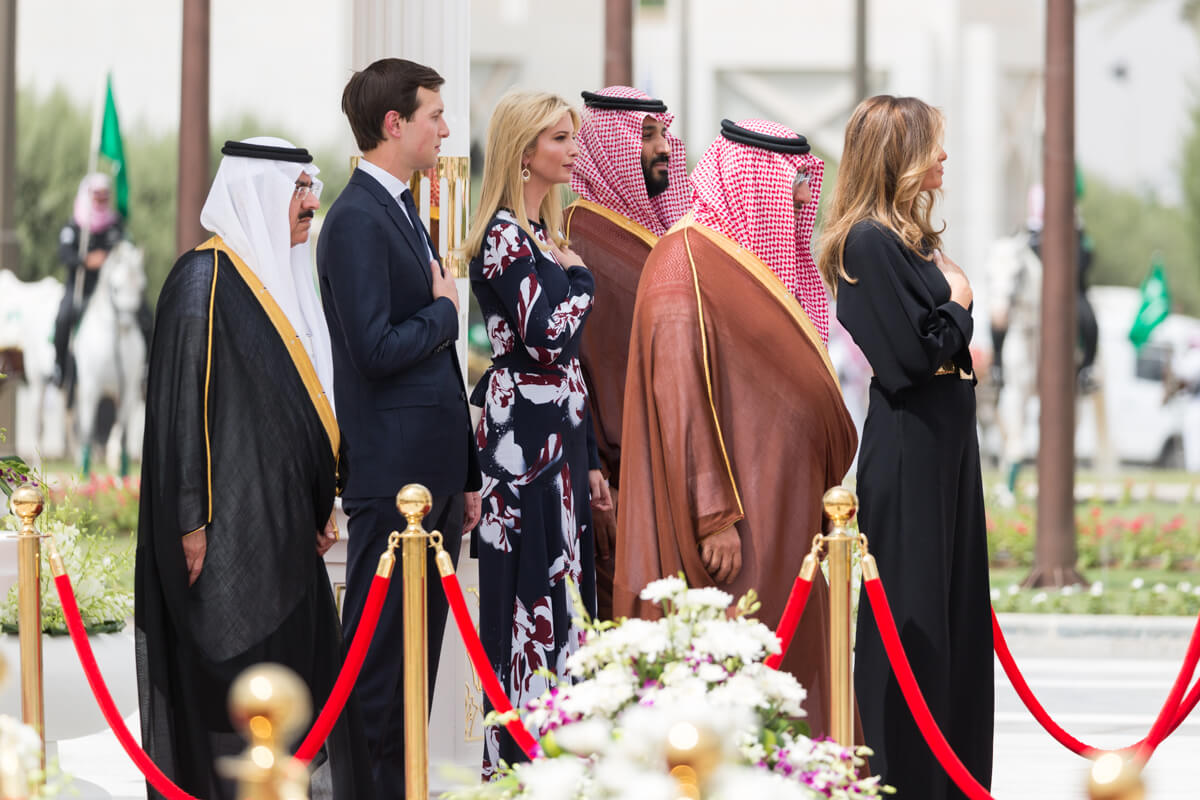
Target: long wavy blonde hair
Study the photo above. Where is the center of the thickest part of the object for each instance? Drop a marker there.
(519, 118)
(891, 142)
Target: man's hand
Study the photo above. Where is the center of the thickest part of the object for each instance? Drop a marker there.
(472, 506)
(598, 489)
(443, 283)
(604, 524)
(327, 537)
(95, 259)
(195, 544)
(722, 555)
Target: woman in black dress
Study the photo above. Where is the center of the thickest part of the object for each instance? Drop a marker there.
(907, 306)
(537, 452)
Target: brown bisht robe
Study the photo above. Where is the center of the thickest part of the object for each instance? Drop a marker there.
(733, 416)
(614, 247)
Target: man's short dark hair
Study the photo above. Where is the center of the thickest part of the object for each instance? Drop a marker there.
(389, 84)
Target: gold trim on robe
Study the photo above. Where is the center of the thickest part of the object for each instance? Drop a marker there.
(624, 223)
(712, 406)
(770, 281)
(287, 333)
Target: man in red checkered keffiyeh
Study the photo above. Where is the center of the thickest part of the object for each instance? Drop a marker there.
(629, 161)
(631, 175)
(734, 424)
(746, 188)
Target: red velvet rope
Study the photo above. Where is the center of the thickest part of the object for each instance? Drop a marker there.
(1174, 711)
(87, 658)
(349, 672)
(491, 684)
(916, 701)
(312, 742)
(792, 613)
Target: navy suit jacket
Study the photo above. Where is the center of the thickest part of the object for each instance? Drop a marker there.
(399, 391)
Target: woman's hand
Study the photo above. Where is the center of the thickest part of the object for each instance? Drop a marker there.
(960, 287)
(566, 257)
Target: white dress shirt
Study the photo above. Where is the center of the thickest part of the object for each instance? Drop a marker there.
(395, 187)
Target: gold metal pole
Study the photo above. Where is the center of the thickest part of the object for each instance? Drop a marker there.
(456, 170)
(414, 501)
(840, 506)
(269, 705)
(27, 503)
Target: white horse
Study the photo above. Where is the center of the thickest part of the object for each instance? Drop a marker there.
(1015, 287)
(110, 351)
(27, 312)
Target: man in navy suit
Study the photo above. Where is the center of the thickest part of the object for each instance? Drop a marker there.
(398, 389)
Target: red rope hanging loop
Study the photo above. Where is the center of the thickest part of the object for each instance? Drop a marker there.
(797, 600)
(1174, 711)
(350, 669)
(912, 692)
(112, 716)
(491, 684)
(334, 705)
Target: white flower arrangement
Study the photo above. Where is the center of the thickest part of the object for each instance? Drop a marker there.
(608, 734)
(97, 570)
(21, 773)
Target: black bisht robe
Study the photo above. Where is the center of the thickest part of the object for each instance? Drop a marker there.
(921, 505)
(234, 440)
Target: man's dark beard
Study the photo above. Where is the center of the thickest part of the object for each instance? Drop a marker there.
(656, 186)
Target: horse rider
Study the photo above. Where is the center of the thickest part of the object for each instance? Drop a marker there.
(94, 229)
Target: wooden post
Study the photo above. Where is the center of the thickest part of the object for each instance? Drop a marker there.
(1055, 554)
(194, 169)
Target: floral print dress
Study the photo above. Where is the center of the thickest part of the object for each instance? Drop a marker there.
(535, 449)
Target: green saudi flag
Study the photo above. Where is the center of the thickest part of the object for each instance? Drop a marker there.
(1156, 304)
(112, 149)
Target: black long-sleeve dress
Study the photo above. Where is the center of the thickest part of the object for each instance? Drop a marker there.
(921, 505)
(536, 446)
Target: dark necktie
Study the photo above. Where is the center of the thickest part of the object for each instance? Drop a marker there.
(414, 220)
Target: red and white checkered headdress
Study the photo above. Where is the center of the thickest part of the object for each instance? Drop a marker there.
(745, 192)
(608, 170)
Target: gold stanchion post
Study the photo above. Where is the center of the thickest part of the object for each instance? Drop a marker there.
(693, 753)
(269, 706)
(27, 503)
(840, 506)
(1114, 777)
(414, 501)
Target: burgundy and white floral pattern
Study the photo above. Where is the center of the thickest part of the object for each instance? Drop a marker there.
(535, 451)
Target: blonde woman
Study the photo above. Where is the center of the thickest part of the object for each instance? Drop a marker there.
(907, 306)
(541, 471)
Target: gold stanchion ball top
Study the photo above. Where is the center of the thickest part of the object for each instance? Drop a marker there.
(269, 704)
(841, 504)
(1113, 777)
(414, 501)
(693, 752)
(28, 501)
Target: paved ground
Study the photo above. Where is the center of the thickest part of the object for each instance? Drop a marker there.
(1102, 678)
(1105, 702)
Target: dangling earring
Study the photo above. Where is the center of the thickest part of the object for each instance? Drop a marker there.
(526, 174)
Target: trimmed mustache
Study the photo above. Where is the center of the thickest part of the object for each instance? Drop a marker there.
(663, 159)
(307, 213)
